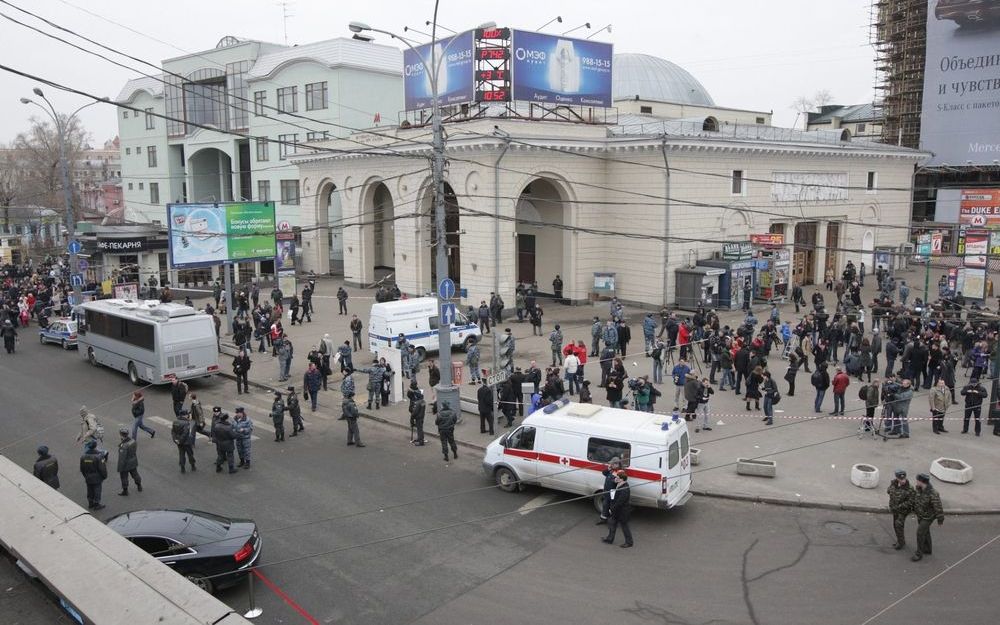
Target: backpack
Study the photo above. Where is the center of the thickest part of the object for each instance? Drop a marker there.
(775, 398)
(863, 393)
(816, 377)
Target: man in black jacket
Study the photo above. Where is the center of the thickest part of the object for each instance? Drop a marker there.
(222, 433)
(614, 465)
(418, 409)
(620, 510)
(445, 422)
(974, 393)
(47, 467)
(241, 367)
(485, 397)
(94, 467)
(128, 462)
(183, 433)
(516, 379)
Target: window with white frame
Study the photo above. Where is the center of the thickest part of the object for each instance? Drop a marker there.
(738, 183)
(260, 103)
(154, 192)
(316, 96)
(287, 145)
(288, 100)
(290, 191)
(317, 136)
(150, 119)
(263, 190)
(871, 185)
(262, 150)
(151, 155)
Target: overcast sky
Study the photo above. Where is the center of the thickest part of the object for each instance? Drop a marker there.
(754, 55)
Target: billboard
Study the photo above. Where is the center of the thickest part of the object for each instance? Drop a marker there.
(212, 234)
(979, 207)
(960, 116)
(455, 74)
(560, 70)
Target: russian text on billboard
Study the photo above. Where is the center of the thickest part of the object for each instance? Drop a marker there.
(211, 234)
(960, 116)
(455, 74)
(560, 70)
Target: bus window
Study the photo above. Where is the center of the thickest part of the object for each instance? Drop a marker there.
(602, 450)
(674, 455)
(523, 438)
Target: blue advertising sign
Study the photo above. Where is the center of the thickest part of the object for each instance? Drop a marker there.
(560, 70)
(454, 56)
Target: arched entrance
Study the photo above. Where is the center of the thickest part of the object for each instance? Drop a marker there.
(330, 216)
(210, 176)
(378, 232)
(868, 250)
(453, 236)
(540, 247)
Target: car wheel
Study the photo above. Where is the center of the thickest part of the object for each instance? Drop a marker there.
(91, 358)
(133, 375)
(41, 339)
(201, 581)
(421, 354)
(65, 344)
(599, 501)
(506, 480)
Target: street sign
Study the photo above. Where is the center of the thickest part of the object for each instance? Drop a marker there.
(447, 313)
(76, 279)
(74, 247)
(82, 264)
(446, 289)
(497, 378)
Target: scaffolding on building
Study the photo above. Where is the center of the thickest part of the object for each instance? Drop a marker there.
(898, 32)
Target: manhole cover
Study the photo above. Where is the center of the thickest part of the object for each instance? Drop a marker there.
(836, 527)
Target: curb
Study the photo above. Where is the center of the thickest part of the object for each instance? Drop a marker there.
(764, 499)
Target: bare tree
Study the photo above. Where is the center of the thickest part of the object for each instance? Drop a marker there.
(36, 179)
(821, 98)
(801, 106)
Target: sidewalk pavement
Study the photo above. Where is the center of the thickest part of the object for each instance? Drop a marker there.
(814, 452)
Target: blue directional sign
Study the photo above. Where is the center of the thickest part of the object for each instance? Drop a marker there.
(447, 313)
(74, 247)
(446, 289)
(83, 264)
(76, 279)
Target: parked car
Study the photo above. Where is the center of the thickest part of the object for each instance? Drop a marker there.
(212, 551)
(61, 331)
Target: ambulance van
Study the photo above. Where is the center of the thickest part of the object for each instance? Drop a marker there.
(566, 445)
(417, 320)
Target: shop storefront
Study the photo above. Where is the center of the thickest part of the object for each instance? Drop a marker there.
(738, 279)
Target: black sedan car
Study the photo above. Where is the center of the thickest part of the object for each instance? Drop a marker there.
(212, 551)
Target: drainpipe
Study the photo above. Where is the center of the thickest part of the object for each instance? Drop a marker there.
(496, 237)
(666, 216)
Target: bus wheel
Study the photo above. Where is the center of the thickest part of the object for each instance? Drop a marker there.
(421, 354)
(599, 501)
(91, 358)
(506, 480)
(133, 375)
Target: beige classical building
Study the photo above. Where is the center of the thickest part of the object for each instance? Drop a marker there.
(641, 198)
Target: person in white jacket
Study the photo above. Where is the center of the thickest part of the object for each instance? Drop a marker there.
(570, 366)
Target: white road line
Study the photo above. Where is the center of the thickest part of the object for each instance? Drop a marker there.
(537, 502)
(168, 423)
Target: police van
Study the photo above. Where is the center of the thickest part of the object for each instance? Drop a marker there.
(417, 320)
(566, 445)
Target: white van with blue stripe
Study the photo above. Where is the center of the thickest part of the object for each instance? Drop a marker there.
(417, 320)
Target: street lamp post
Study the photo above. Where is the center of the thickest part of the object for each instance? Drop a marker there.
(61, 128)
(446, 390)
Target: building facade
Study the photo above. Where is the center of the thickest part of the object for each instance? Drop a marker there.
(863, 121)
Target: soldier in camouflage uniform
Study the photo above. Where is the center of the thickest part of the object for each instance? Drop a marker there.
(927, 507)
(375, 375)
(901, 505)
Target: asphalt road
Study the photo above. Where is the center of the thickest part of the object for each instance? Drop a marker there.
(407, 538)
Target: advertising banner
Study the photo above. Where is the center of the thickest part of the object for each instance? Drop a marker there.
(128, 291)
(455, 74)
(960, 117)
(976, 247)
(212, 234)
(560, 70)
(974, 284)
(768, 239)
(980, 207)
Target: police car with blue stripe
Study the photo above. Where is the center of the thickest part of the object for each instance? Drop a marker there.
(417, 320)
(61, 331)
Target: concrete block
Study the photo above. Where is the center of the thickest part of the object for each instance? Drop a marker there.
(695, 456)
(951, 470)
(864, 476)
(760, 468)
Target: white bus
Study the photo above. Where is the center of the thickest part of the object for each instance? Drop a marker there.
(150, 341)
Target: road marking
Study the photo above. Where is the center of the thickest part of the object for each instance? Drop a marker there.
(168, 423)
(535, 503)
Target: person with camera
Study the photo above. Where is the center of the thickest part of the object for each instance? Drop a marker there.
(927, 507)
